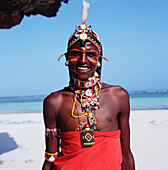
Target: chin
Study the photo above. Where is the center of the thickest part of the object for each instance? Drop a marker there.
(83, 76)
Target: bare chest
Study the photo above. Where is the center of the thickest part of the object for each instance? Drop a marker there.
(106, 116)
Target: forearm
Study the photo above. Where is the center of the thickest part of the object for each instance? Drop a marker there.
(128, 163)
(47, 165)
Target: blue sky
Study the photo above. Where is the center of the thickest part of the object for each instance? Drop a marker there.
(134, 35)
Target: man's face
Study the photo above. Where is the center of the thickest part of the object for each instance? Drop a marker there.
(83, 59)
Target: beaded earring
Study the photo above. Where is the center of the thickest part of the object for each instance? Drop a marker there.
(67, 62)
(98, 64)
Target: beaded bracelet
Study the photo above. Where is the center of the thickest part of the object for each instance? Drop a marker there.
(50, 157)
(55, 132)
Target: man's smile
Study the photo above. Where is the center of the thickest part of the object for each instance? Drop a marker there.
(82, 68)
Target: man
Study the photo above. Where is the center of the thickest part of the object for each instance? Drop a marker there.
(91, 117)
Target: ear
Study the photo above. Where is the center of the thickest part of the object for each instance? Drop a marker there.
(98, 69)
(67, 56)
(99, 61)
(100, 58)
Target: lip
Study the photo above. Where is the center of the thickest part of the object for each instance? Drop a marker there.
(82, 68)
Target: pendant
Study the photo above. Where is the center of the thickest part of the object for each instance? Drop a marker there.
(87, 136)
(88, 92)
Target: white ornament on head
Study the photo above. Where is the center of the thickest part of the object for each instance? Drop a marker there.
(86, 6)
(83, 36)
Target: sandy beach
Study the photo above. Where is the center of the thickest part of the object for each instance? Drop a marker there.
(22, 142)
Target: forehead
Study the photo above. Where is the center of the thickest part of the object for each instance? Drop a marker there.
(87, 44)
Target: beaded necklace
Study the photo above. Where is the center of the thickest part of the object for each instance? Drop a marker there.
(85, 84)
(89, 100)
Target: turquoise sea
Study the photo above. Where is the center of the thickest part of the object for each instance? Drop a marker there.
(138, 100)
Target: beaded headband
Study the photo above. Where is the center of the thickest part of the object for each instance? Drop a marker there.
(84, 32)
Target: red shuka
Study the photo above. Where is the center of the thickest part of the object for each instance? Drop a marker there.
(104, 154)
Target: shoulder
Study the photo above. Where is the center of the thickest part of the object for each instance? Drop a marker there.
(53, 101)
(53, 98)
(116, 91)
(51, 107)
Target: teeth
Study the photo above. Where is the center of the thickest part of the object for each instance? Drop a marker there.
(82, 68)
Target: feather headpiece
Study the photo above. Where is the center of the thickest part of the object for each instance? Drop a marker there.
(86, 6)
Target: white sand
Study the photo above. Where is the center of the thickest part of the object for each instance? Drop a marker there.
(27, 130)
(149, 140)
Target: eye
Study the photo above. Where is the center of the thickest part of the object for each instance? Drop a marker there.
(75, 53)
(91, 54)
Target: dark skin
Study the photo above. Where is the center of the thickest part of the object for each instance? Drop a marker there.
(112, 115)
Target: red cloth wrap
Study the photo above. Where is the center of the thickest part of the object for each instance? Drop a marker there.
(104, 154)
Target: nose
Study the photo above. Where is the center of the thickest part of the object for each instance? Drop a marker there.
(83, 58)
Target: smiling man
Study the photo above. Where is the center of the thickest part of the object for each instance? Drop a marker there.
(79, 57)
(90, 117)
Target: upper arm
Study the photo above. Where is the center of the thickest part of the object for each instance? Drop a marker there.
(128, 160)
(124, 122)
(49, 113)
(50, 109)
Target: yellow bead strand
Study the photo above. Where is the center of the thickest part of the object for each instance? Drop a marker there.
(72, 114)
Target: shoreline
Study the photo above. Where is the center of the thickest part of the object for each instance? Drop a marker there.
(40, 112)
(21, 112)
(22, 143)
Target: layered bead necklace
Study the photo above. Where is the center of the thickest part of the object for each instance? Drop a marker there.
(89, 100)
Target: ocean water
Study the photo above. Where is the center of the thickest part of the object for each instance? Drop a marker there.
(149, 100)
(21, 104)
(138, 100)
